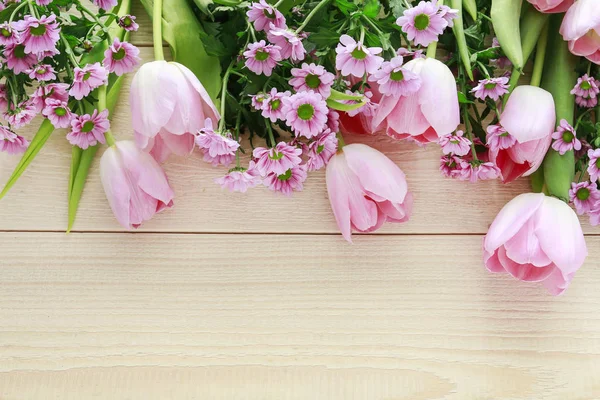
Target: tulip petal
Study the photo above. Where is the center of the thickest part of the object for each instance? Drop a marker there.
(524, 247)
(182, 145)
(208, 107)
(491, 262)
(529, 114)
(524, 272)
(581, 17)
(556, 283)
(586, 45)
(386, 106)
(511, 219)
(116, 186)
(407, 117)
(508, 167)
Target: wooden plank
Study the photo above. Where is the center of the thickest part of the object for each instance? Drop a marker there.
(171, 316)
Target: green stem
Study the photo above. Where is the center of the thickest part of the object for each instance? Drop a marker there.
(110, 139)
(586, 112)
(69, 51)
(252, 33)
(278, 3)
(341, 142)
(238, 121)
(157, 30)
(465, 112)
(512, 83)
(432, 49)
(97, 20)
(270, 131)
(540, 57)
(14, 13)
(311, 14)
(224, 95)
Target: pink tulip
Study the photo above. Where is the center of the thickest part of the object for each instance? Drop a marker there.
(536, 238)
(366, 189)
(430, 113)
(530, 118)
(168, 106)
(581, 28)
(552, 6)
(135, 184)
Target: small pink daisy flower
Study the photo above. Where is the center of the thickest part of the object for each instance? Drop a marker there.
(306, 114)
(8, 35)
(3, 98)
(586, 102)
(491, 87)
(43, 3)
(218, 149)
(12, 143)
(287, 182)
(87, 79)
(312, 77)
(121, 57)
(273, 105)
(368, 109)
(353, 58)
(276, 160)
(449, 14)
(333, 121)
(87, 130)
(393, 80)
(594, 214)
(263, 14)
(448, 165)
(42, 72)
(594, 164)
(240, 179)
(498, 139)
(455, 144)
(321, 150)
(58, 113)
(258, 100)
(487, 171)
(289, 42)
(21, 115)
(584, 195)
(423, 23)
(128, 23)
(586, 87)
(38, 35)
(16, 58)
(57, 91)
(565, 138)
(105, 4)
(261, 57)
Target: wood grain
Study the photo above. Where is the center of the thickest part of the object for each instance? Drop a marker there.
(146, 316)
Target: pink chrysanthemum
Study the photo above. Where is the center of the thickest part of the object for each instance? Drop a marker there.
(263, 14)
(488, 171)
(423, 23)
(449, 14)
(272, 106)
(38, 35)
(287, 182)
(586, 87)
(276, 160)
(240, 179)
(42, 73)
(87, 130)
(306, 114)
(455, 144)
(128, 23)
(12, 143)
(21, 115)
(288, 41)
(393, 80)
(584, 195)
(8, 35)
(368, 109)
(595, 214)
(58, 113)
(353, 58)
(312, 77)
(16, 58)
(449, 165)
(498, 139)
(218, 149)
(565, 138)
(333, 121)
(261, 57)
(593, 168)
(321, 150)
(43, 3)
(491, 87)
(87, 79)
(3, 98)
(57, 91)
(586, 102)
(105, 4)
(121, 57)
(474, 171)
(258, 100)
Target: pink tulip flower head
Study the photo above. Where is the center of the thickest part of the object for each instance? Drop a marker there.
(240, 179)
(536, 238)
(492, 88)
(306, 113)
(565, 138)
(426, 115)
(135, 184)
(262, 14)
(552, 6)
(288, 41)
(518, 145)
(423, 23)
(88, 78)
(38, 35)
(121, 57)
(584, 195)
(262, 58)
(353, 58)
(12, 143)
(581, 28)
(366, 189)
(169, 106)
(393, 80)
(594, 164)
(312, 77)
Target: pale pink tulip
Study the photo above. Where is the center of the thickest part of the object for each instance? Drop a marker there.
(169, 106)
(581, 28)
(366, 189)
(135, 184)
(428, 114)
(552, 6)
(536, 238)
(530, 118)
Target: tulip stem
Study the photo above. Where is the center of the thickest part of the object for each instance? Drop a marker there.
(538, 66)
(110, 139)
(311, 14)
(224, 95)
(340, 139)
(157, 30)
(465, 111)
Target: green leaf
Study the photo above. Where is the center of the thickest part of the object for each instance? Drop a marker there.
(203, 5)
(336, 105)
(397, 7)
(38, 141)
(337, 95)
(471, 7)
(346, 7)
(462, 98)
(78, 182)
(324, 37)
(371, 8)
(461, 41)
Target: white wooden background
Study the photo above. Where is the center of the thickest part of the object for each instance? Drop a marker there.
(255, 296)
